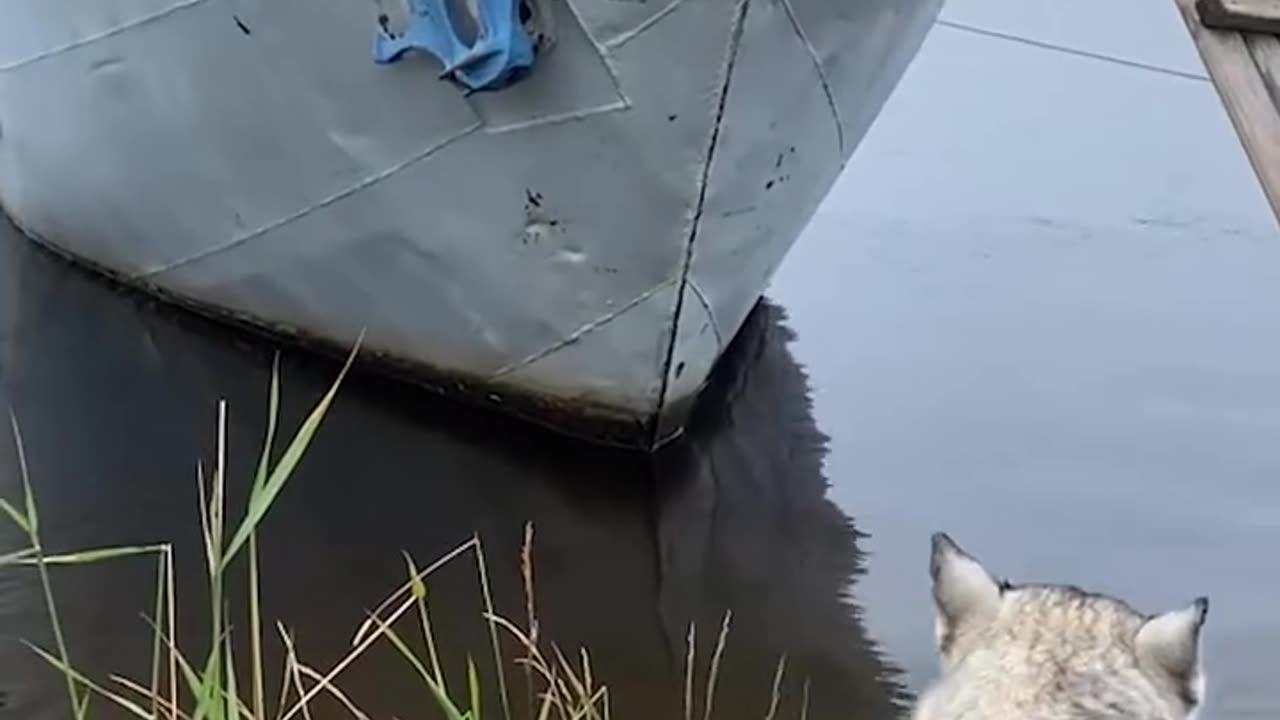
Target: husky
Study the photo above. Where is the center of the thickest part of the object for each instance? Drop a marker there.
(1054, 652)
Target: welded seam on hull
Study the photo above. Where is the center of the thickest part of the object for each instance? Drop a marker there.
(704, 181)
(711, 317)
(299, 214)
(627, 36)
(822, 74)
(582, 331)
(602, 51)
(145, 19)
(571, 116)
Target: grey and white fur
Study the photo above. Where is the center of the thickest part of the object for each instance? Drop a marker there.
(1054, 652)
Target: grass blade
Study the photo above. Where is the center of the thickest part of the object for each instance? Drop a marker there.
(171, 602)
(690, 656)
(31, 517)
(408, 654)
(260, 501)
(575, 687)
(487, 594)
(85, 557)
(419, 591)
(255, 590)
(255, 632)
(285, 675)
(178, 661)
(548, 702)
(210, 703)
(346, 661)
(32, 523)
(273, 412)
(209, 685)
(776, 695)
(714, 673)
(292, 671)
(394, 597)
(534, 658)
(473, 684)
(530, 611)
(194, 682)
(73, 677)
(162, 703)
(335, 692)
(450, 710)
(16, 515)
(16, 558)
(156, 644)
(233, 691)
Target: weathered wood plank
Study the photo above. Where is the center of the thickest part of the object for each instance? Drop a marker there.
(1265, 50)
(1243, 90)
(1244, 15)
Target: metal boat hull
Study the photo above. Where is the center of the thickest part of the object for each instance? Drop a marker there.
(578, 248)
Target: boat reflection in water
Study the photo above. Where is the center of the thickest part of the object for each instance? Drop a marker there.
(117, 400)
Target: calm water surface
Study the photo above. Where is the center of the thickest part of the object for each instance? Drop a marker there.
(1040, 311)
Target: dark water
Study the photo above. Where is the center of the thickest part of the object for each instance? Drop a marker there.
(117, 401)
(1020, 317)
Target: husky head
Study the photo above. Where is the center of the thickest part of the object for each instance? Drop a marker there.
(1069, 643)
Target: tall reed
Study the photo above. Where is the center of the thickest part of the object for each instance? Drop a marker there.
(178, 689)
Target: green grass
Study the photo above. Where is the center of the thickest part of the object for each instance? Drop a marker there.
(179, 689)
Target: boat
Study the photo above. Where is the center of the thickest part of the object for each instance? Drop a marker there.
(563, 209)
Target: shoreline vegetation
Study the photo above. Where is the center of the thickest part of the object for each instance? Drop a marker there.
(179, 689)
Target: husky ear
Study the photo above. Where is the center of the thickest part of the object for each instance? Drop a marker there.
(1170, 643)
(963, 591)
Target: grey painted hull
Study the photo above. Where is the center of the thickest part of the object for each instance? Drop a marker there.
(578, 248)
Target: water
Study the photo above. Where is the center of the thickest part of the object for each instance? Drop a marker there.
(1038, 311)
